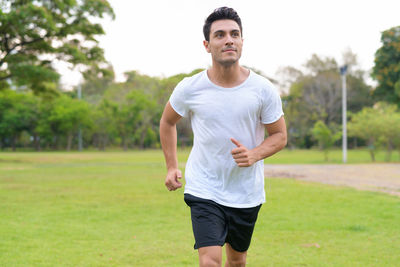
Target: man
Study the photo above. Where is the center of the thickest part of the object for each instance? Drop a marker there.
(229, 107)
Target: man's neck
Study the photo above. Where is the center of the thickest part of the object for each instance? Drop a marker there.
(227, 76)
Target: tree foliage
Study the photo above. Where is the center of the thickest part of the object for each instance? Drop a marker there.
(379, 125)
(387, 67)
(96, 82)
(325, 137)
(66, 116)
(18, 114)
(316, 95)
(124, 114)
(35, 34)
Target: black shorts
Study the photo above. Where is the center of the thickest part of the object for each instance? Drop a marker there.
(214, 224)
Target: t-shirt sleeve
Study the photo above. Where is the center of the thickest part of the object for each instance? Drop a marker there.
(178, 100)
(271, 105)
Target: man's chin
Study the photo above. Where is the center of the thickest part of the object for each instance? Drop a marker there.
(228, 62)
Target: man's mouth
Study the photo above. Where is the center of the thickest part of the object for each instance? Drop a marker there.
(229, 50)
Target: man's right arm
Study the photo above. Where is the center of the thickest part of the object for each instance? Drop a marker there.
(168, 139)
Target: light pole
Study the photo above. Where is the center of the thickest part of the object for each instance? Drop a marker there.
(80, 130)
(343, 71)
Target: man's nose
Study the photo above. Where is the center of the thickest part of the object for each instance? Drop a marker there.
(229, 40)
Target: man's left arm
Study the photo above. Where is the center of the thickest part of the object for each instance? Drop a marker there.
(276, 141)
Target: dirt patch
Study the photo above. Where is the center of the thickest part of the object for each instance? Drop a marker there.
(372, 177)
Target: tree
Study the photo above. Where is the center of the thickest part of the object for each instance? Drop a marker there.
(18, 113)
(140, 111)
(389, 128)
(104, 130)
(316, 94)
(363, 125)
(97, 81)
(63, 117)
(70, 114)
(35, 34)
(325, 137)
(129, 98)
(316, 64)
(287, 76)
(396, 125)
(379, 125)
(387, 67)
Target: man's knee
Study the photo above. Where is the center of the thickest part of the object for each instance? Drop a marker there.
(235, 258)
(209, 261)
(210, 256)
(237, 262)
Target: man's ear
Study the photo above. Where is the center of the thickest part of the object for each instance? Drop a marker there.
(206, 45)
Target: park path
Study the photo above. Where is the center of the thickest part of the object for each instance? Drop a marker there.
(381, 177)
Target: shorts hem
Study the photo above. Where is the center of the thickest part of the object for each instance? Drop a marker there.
(238, 250)
(208, 244)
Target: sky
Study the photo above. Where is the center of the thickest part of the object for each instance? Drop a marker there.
(164, 37)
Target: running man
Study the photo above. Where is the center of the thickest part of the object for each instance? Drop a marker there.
(230, 107)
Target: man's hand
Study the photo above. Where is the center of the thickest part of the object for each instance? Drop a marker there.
(171, 181)
(242, 156)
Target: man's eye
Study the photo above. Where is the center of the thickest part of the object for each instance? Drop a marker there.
(235, 34)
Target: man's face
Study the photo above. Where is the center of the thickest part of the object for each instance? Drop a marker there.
(225, 43)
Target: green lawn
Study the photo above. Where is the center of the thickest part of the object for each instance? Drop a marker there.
(111, 209)
(335, 156)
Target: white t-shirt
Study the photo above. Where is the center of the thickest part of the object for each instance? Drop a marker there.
(218, 114)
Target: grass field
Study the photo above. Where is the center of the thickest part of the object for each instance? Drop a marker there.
(111, 209)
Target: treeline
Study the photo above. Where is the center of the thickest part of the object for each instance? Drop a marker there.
(315, 94)
(110, 114)
(313, 104)
(127, 114)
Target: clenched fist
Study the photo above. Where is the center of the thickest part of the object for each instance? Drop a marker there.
(242, 156)
(171, 181)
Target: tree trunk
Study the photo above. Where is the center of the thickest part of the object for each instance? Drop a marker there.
(124, 143)
(13, 143)
(389, 152)
(55, 140)
(102, 142)
(371, 149)
(96, 141)
(69, 142)
(142, 137)
(372, 154)
(105, 143)
(36, 142)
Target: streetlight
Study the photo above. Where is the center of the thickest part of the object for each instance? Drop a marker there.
(343, 71)
(80, 130)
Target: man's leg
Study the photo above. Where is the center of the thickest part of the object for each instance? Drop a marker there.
(210, 256)
(234, 258)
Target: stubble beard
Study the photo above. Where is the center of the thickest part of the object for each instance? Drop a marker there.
(227, 62)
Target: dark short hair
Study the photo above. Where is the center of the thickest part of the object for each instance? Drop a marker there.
(219, 14)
